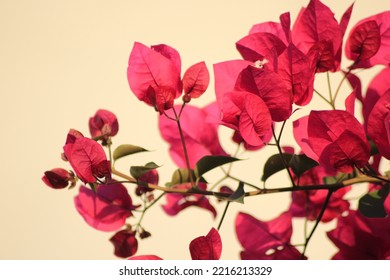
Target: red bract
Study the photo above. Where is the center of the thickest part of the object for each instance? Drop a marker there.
(361, 238)
(266, 240)
(125, 243)
(103, 124)
(225, 76)
(248, 115)
(369, 41)
(316, 29)
(59, 178)
(105, 209)
(377, 87)
(262, 47)
(178, 202)
(270, 87)
(207, 247)
(154, 75)
(196, 80)
(378, 125)
(309, 203)
(201, 137)
(87, 158)
(150, 177)
(293, 71)
(335, 138)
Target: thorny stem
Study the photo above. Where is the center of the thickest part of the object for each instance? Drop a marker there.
(318, 220)
(259, 191)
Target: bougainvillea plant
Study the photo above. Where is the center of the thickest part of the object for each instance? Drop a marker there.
(256, 96)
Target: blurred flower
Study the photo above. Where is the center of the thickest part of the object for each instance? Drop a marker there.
(103, 125)
(105, 209)
(125, 243)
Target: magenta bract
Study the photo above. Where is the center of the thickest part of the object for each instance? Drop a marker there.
(334, 138)
(266, 240)
(201, 136)
(207, 247)
(361, 238)
(103, 124)
(105, 209)
(87, 158)
(154, 75)
(369, 41)
(125, 243)
(378, 125)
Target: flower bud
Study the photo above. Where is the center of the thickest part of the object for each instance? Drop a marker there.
(59, 178)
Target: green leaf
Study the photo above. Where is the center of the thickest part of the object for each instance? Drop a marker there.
(125, 150)
(237, 196)
(301, 163)
(138, 171)
(275, 164)
(180, 176)
(208, 163)
(372, 205)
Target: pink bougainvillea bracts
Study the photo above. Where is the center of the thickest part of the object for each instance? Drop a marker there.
(344, 139)
(103, 124)
(335, 138)
(368, 43)
(378, 125)
(201, 136)
(59, 178)
(106, 208)
(196, 80)
(266, 240)
(317, 29)
(207, 247)
(248, 115)
(86, 157)
(361, 238)
(154, 75)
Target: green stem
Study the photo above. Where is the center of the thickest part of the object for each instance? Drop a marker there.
(183, 143)
(318, 220)
(323, 97)
(281, 156)
(223, 215)
(340, 84)
(330, 91)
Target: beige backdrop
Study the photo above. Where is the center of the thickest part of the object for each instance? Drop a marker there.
(60, 61)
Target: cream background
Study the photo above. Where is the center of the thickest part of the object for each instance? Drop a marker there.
(60, 61)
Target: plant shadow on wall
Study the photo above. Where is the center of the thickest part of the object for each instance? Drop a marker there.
(255, 97)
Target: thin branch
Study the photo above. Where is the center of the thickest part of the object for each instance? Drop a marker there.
(318, 220)
(223, 215)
